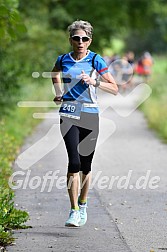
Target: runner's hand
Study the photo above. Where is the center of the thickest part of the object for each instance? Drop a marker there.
(86, 78)
(58, 100)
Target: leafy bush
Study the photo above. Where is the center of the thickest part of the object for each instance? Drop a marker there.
(10, 217)
(5, 237)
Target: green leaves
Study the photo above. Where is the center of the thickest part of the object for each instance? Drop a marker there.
(5, 237)
(11, 24)
(10, 217)
(3, 11)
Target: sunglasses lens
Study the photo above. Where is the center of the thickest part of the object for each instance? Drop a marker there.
(85, 39)
(77, 38)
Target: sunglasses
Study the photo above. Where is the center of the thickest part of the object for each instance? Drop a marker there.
(79, 38)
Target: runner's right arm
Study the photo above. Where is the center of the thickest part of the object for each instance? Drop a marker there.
(56, 79)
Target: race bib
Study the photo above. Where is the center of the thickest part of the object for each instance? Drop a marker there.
(71, 109)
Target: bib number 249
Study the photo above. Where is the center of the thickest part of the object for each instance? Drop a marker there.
(69, 108)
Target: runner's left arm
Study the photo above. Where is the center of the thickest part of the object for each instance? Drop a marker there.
(108, 84)
(106, 81)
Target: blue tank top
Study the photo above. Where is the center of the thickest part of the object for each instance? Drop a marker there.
(74, 89)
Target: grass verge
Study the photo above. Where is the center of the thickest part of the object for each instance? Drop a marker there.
(14, 127)
(155, 108)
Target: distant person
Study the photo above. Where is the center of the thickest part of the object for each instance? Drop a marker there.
(144, 66)
(147, 62)
(79, 112)
(122, 71)
(130, 58)
(127, 71)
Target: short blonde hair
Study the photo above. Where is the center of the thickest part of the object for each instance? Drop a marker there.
(81, 25)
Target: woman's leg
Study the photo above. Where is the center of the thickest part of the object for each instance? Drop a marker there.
(85, 183)
(70, 135)
(73, 189)
(80, 158)
(88, 139)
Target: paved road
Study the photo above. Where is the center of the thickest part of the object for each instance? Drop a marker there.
(122, 216)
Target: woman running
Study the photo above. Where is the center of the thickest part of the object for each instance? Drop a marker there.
(79, 71)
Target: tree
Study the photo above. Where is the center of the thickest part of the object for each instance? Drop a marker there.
(11, 23)
(11, 28)
(115, 18)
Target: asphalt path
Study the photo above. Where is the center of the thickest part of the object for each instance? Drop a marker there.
(127, 204)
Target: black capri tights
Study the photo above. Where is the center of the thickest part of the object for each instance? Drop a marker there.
(80, 137)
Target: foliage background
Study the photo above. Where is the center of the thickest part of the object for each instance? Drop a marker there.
(31, 33)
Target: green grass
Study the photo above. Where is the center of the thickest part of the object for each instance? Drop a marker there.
(155, 108)
(15, 125)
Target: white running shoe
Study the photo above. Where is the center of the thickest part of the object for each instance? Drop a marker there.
(74, 219)
(83, 214)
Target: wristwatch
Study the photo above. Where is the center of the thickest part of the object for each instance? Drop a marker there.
(97, 83)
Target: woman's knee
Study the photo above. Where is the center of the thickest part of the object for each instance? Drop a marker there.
(74, 167)
(86, 168)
